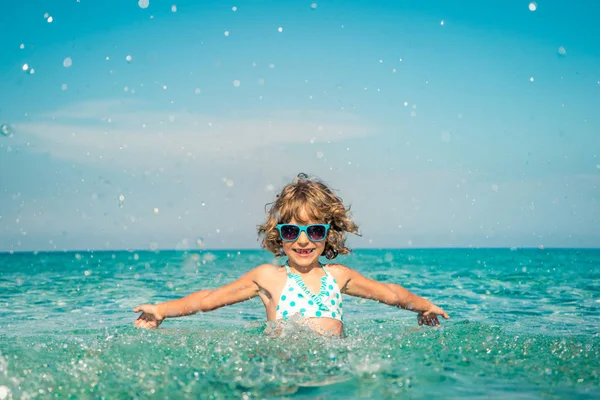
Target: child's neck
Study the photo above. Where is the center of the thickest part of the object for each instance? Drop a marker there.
(304, 270)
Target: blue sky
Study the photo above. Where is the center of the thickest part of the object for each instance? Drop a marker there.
(443, 123)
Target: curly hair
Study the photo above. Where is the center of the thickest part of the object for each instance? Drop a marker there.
(320, 203)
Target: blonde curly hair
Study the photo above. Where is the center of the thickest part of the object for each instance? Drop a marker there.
(320, 203)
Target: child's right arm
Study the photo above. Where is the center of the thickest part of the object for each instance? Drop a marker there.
(243, 289)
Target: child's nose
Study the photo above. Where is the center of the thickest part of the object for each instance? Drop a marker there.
(303, 239)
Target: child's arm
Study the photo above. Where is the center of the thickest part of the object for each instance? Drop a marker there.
(243, 289)
(393, 295)
(154, 314)
(428, 312)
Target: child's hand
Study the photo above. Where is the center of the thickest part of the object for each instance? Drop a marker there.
(150, 317)
(429, 317)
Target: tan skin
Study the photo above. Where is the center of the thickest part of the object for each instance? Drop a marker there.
(267, 282)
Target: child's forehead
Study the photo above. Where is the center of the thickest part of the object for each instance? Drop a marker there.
(305, 213)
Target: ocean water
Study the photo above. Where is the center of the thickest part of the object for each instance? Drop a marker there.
(524, 324)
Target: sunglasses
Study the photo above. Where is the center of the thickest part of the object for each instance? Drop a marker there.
(291, 232)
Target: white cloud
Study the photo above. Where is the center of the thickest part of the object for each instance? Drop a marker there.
(128, 133)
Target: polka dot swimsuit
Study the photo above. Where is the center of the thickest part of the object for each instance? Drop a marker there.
(296, 298)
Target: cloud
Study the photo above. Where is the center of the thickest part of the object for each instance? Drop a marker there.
(130, 133)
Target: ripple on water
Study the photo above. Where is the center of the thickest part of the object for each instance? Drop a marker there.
(395, 360)
(530, 332)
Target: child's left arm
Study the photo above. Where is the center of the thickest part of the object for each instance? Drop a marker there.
(393, 295)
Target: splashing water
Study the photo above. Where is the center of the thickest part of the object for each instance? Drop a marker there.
(522, 321)
(6, 130)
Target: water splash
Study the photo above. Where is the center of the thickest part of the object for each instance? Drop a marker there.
(6, 130)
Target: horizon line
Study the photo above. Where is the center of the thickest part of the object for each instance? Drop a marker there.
(171, 250)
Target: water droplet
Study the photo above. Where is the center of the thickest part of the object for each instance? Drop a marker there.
(64, 87)
(128, 58)
(406, 104)
(143, 3)
(532, 6)
(155, 210)
(200, 242)
(173, 8)
(87, 272)
(234, 8)
(280, 29)
(50, 19)
(229, 182)
(164, 87)
(226, 33)
(46, 15)
(236, 83)
(531, 79)
(25, 67)
(5, 130)
(32, 71)
(495, 187)
(22, 46)
(562, 51)
(442, 22)
(197, 91)
(269, 187)
(313, 6)
(121, 197)
(67, 62)
(319, 155)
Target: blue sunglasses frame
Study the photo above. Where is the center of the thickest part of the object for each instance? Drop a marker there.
(303, 228)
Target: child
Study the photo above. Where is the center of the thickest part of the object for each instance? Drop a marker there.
(306, 221)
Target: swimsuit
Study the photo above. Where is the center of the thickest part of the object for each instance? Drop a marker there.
(296, 298)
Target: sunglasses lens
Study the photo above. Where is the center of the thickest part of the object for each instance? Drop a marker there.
(289, 232)
(316, 232)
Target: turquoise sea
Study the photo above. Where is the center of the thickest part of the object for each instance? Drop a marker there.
(524, 325)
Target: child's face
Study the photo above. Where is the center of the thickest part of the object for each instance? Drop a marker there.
(303, 252)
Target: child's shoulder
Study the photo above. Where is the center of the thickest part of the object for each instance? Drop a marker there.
(337, 267)
(338, 271)
(268, 269)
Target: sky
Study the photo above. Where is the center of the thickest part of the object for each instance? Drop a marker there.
(133, 124)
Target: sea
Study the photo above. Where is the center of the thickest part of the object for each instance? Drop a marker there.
(524, 325)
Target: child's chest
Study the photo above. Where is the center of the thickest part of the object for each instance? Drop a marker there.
(275, 286)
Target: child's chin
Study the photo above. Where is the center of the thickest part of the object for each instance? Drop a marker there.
(307, 260)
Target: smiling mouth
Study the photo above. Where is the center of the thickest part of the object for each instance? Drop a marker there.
(304, 251)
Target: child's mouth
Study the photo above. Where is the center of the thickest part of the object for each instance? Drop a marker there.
(304, 252)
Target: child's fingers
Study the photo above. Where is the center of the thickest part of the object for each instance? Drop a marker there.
(141, 308)
(445, 315)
